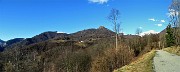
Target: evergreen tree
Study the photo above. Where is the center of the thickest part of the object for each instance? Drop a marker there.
(170, 39)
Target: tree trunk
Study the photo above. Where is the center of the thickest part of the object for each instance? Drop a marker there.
(116, 42)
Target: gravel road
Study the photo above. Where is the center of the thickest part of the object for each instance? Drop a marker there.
(166, 62)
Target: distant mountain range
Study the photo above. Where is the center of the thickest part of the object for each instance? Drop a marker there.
(1, 41)
(1, 45)
(4, 44)
(84, 35)
(12, 41)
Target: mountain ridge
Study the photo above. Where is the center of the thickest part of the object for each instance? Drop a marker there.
(83, 35)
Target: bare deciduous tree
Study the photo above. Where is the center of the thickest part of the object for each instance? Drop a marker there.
(138, 39)
(174, 15)
(138, 31)
(114, 19)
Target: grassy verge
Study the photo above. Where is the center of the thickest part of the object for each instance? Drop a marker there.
(173, 50)
(142, 64)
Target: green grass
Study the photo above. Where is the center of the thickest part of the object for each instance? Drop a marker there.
(173, 50)
(142, 64)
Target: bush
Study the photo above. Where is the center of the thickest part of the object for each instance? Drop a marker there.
(112, 59)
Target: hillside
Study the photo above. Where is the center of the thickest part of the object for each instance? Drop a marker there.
(84, 35)
(163, 60)
(89, 50)
(36, 39)
(91, 34)
(13, 41)
(1, 41)
(50, 50)
(142, 64)
(1, 45)
(51, 55)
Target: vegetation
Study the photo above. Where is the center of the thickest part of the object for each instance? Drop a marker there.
(173, 50)
(142, 64)
(174, 9)
(169, 36)
(112, 59)
(114, 19)
(62, 54)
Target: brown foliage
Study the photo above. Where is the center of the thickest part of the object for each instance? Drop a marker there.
(112, 59)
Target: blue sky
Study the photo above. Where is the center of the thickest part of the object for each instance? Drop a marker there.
(27, 18)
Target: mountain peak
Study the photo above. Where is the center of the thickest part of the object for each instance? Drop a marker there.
(101, 27)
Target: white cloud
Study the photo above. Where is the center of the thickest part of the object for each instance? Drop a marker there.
(156, 20)
(99, 1)
(162, 21)
(159, 25)
(148, 32)
(152, 19)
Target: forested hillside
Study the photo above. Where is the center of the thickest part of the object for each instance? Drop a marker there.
(88, 50)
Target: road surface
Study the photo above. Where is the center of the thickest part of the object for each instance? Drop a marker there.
(166, 62)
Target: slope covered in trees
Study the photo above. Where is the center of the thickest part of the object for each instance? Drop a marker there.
(89, 50)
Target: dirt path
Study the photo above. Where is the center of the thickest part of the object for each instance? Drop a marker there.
(166, 62)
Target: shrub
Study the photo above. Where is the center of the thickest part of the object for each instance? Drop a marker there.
(112, 59)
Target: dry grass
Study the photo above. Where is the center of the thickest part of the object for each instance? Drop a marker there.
(173, 50)
(142, 64)
(81, 44)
